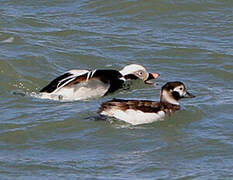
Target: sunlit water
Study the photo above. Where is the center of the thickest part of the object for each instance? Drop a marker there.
(185, 40)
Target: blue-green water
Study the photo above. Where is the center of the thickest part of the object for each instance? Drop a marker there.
(185, 40)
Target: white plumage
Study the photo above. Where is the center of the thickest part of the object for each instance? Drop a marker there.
(134, 117)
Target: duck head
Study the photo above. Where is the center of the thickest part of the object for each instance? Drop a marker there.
(136, 71)
(172, 92)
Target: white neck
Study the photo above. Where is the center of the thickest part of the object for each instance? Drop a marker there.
(166, 97)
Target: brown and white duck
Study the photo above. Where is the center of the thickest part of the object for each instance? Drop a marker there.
(143, 111)
(84, 84)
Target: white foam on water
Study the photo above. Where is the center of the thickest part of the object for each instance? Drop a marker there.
(9, 40)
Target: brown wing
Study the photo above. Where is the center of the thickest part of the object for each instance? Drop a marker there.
(142, 105)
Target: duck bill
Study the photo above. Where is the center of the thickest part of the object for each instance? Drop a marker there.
(150, 77)
(189, 95)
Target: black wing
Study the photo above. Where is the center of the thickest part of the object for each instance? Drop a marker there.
(68, 79)
(63, 80)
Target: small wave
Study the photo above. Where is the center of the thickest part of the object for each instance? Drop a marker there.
(33, 95)
(9, 40)
(19, 93)
(46, 96)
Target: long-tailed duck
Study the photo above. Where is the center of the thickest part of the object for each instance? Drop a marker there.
(143, 111)
(84, 84)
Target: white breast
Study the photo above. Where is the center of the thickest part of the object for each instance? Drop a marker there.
(81, 91)
(134, 117)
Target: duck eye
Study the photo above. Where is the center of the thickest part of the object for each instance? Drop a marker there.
(140, 73)
(181, 88)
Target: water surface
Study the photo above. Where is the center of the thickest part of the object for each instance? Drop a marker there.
(185, 40)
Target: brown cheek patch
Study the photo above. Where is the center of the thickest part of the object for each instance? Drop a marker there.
(130, 76)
